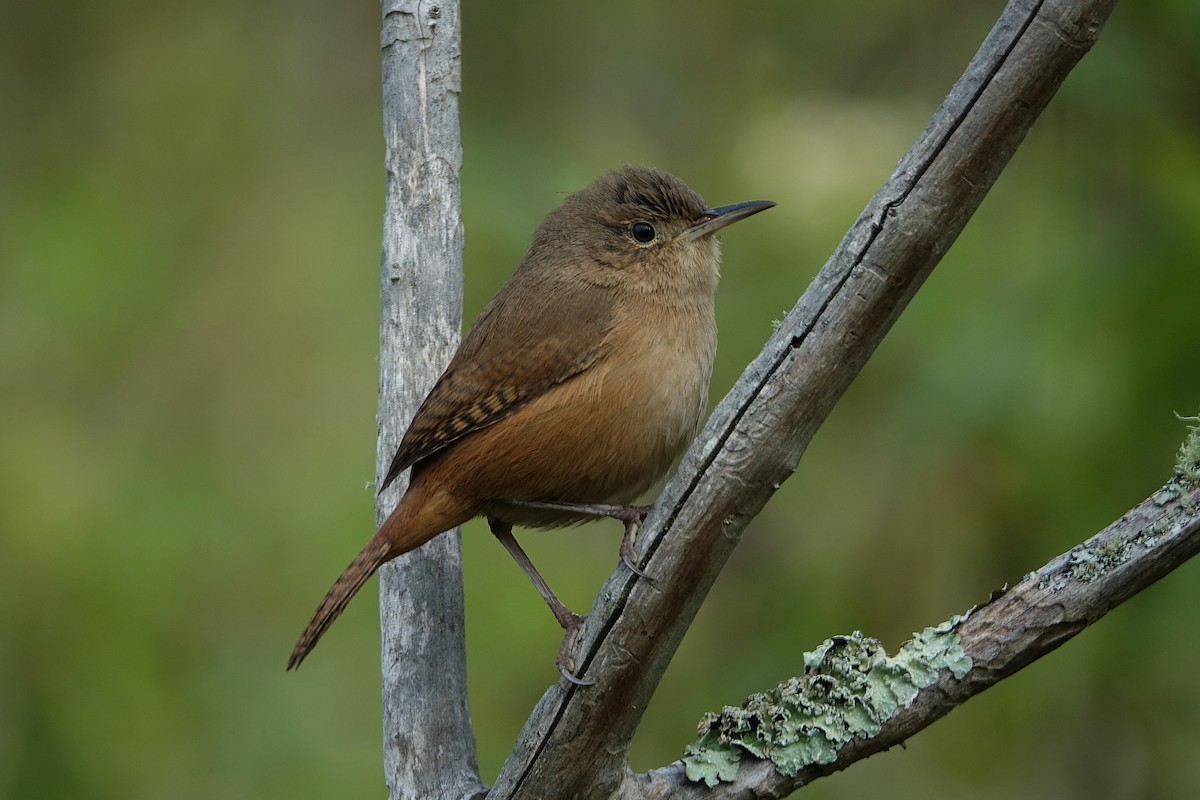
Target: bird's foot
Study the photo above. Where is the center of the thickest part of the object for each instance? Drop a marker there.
(566, 665)
(632, 519)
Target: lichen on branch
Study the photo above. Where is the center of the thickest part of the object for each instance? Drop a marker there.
(849, 688)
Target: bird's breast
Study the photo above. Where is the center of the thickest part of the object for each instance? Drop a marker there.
(669, 370)
(637, 410)
(602, 436)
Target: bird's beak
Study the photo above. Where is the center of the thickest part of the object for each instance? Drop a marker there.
(719, 217)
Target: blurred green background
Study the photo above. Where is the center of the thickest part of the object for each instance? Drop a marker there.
(190, 204)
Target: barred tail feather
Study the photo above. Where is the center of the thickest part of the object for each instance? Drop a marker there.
(363, 567)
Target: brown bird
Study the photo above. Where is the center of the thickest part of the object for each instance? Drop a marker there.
(575, 390)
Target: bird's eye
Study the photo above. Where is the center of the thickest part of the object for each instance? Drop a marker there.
(642, 232)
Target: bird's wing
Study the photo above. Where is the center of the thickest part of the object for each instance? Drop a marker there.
(531, 337)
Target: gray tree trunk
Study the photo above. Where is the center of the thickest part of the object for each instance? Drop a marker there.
(428, 742)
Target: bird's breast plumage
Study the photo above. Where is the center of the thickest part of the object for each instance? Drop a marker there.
(607, 434)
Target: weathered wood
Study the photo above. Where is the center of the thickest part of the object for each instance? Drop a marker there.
(576, 742)
(1013, 629)
(428, 742)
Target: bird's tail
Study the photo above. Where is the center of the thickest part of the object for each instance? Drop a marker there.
(421, 514)
(362, 568)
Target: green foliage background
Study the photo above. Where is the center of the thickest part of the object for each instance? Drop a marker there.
(190, 203)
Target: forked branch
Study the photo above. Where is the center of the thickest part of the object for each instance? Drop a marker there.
(576, 742)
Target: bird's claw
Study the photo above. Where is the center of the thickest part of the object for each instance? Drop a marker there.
(563, 660)
(627, 541)
(562, 670)
(633, 522)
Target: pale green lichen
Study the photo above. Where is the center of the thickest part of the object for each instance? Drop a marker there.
(1088, 563)
(849, 688)
(1188, 464)
(1167, 494)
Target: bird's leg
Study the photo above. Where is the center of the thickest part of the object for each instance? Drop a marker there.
(631, 516)
(568, 619)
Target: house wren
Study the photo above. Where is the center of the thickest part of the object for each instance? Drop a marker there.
(577, 387)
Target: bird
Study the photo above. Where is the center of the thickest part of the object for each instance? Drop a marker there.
(575, 390)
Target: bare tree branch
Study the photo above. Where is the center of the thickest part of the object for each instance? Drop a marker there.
(428, 743)
(1013, 629)
(576, 742)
